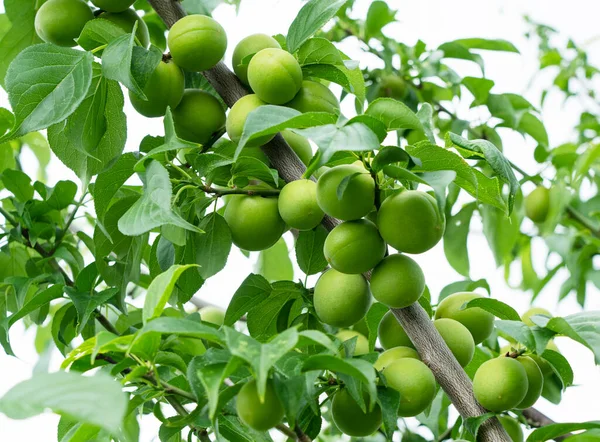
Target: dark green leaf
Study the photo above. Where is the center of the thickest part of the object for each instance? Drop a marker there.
(455, 239)
(309, 250)
(495, 307)
(253, 291)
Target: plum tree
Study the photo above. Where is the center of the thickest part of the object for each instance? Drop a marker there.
(397, 281)
(298, 205)
(341, 300)
(512, 427)
(391, 334)
(197, 42)
(391, 86)
(537, 204)
(389, 356)
(237, 119)
(361, 345)
(535, 381)
(60, 22)
(274, 75)
(415, 383)
(254, 221)
(259, 415)
(211, 314)
(315, 97)
(126, 20)
(351, 419)
(198, 116)
(164, 89)
(526, 317)
(354, 247)
(458, 338)
(357, 199)
(479, 322)
(299, 145)
(500, 384)
(248, 46)
(113, 5)
(410, 221)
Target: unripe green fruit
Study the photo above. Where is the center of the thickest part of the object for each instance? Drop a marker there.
(299, 145)
(274, 75)
(113, 5)
(60, 22)
(410, 221)
(537, 204)
(512, 427)
(358, 198)
(458, 338)
(188, 346)
(362, 343)
(315, 97)
(526, 317)
(397, 281)
(164, 89)
(535, 380)
(254, 221)
(298, 205)
(349, 417)
(249, 46)
(393, 354)
(126, 20)
(354, 247)
(391, 86)
(260, 416)
(197, 42)
(479, 322)
(214, 315)
(391, 334)
(415, 383)
(237, 119)
(500, 384)
(341, 300)
(198, 116)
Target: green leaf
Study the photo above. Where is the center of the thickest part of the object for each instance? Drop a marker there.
(110, 181)
(560, 365)
(180, 327)
(253, 291)
(455, 239)
(531, 125)
(213, 247)
(453, 49)
(552, 431)
(372, 319)
(160, 290)
(473, 423)
(389, 401)
(98, 32)
(582, 327)
(68, 394)
(19, 184)
(46, 84)
(517, 330)
(378, 15)
(86, 303)
(319, 51)
(309, 20)
(501, 232)
(309, 250)
(495, 307)
(317, 337)
(231, 428)
(479, 87)
(394, 114)
(488, 44)
(463, 286)
(253, 168)
(274, 263)
(62, 195)
(40, 299)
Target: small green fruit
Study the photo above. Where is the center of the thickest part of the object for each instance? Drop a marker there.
(393, 354)
(164, 89)
(362, 343)
(500, 384)
(315, 97)
(512, 427)
(526, 317)
(458, 338)
(237, 119)
(197, 42)
(113, 5)
(535, 380)
(349, 417)
(250, 46)
(60, 22)
(397, 281)
(341, 300)
(358, 198)
(298, 205)
(214, 315)
(415, 383)
(391, 86)
(259, 415)
(126, 21)
(537, 204)
(274, 75)
(299, 145)
(198, 116)
(391, 334)
(479, 322)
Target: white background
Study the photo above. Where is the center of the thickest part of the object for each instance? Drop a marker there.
(433, 21)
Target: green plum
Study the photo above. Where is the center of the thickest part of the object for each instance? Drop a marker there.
(214, 315)
(362, 343)
(535, 380)
(410, 221)
(354, 247)
(237, 119)
(397, 281)
(358, 198)
(458, 338)
(198, 117)
(250, 46)
(341, 300)
(389, 356)
(537, 204)
(500, 384)
(254, 221)
(512, 427)
(415, 383)
(391, 334)
(274, 75)
(197, 42)
(391, 86)
(299, 144)
(526, 317)
(60, 22)
(351, 419)
(126, 21)
(113, 5)
(315, 97)
(259, 415)
(479, 322)
(298, 205)
(164, 89)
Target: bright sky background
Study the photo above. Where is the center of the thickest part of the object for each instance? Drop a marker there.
(435, 22)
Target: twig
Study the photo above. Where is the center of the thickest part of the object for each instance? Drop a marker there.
(286, 430)
(536, 418)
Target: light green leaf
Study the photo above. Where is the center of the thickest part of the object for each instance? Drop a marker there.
(488, 44)
(160, 290)
(19, 184)
(495, 307)
(479, 87)
(319, 51)
(517, 330)
(309, 20)
(274, 263)
(394, 114)
(98, 32)
(455, 239)
(378, 15)
(553, 431)
(213, 247)
(110, 181)
(86, 303)
(309, 250)
(188, 328)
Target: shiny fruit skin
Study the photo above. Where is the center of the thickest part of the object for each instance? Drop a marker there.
(314, 97)
(254, 221)
(214, 315)
(350, 419)
(397, 281)
(526, 317)
(126, 20)
(260, 416)
(415, 383)
(500, 384)
(274, 75)
(393, 354)
(197, 42)
(113, 5)
(354, 247)
(458, 338)
(535, 381)
(479, 322)
(249, 46)
(537, 204)
(164, 89)
(361, 345)
(198, 116)
(358, 198)
(391, 334)
(299, 145)
(237, 119)
(341, 300)
(298, 205)
(410, 221)
(512, 427)
(60, 22)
